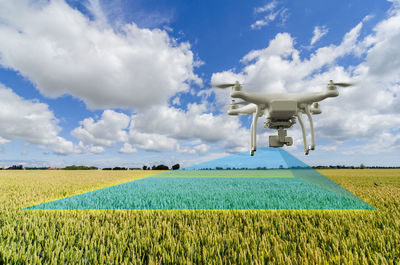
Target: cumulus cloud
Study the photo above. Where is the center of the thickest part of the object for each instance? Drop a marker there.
(63, 52)
(106, 131)
(367, 112)
(279, 68)
(31, 121)
(271, 13)
(89, 147)
(96, 149)
(196, 122)
(153, 141)
(318, 33)
(128, 149)
(193, 131)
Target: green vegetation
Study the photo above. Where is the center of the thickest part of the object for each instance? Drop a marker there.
(192, 237)
(208, 193)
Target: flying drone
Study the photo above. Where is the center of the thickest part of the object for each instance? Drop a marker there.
(281, 111)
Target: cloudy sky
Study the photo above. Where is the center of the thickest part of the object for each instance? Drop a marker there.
(127, 83)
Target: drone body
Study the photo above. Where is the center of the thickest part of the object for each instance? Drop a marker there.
(281, 111)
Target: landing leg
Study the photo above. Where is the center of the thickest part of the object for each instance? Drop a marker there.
(253, 132)
(311, 128)
(306, 150)
(255, 118)
(251, 139)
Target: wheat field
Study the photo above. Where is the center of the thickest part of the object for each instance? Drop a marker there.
(194, 236)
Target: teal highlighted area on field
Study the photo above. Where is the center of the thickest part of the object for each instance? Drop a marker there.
(272, 179)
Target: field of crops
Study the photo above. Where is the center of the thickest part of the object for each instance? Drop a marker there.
(216, 189)
(194, 236)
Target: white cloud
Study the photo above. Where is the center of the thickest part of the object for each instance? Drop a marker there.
(278, 68)
(3, 140)
(89, 147)
(96, 149)
(95, 8)
(195, 123)
(152, 141)
(106, 131)
(200, 149)
(176, 101)
(272, 14)
(62, 52)
(158, 129)
(220, 131)
(319, 32)
(268, 7)
(31, 121)
(396, 4)
(128, 149)
(365, 114)
(382, 56)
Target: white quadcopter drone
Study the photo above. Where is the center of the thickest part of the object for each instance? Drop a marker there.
(280, 111)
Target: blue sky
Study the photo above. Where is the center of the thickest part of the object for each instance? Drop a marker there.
(127, 83)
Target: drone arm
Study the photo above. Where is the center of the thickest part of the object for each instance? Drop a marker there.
(309, 98)
(307, 110)
(245, 110)
(248, 109)
(256, 98)
(303, 132)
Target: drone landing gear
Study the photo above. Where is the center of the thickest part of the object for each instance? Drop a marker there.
(253, 132)
(306, 148)
(312, 147)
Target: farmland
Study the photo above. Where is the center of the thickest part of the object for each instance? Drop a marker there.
(200, 236)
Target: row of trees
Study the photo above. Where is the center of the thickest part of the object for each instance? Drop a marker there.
(362, 166)
(161, 167)
(74, 167)
(177, 166)
(155, 167)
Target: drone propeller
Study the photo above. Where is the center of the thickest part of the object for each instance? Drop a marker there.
(224, 85)
(343, 84)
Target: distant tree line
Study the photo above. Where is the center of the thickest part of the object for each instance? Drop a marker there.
(15, 167)
(155, 167)
(37, 168)
(161, 167)
(73, 167)
(362, 166)
(177, 166)
(246, 168)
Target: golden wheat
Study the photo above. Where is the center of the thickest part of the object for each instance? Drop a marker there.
(193, 237)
